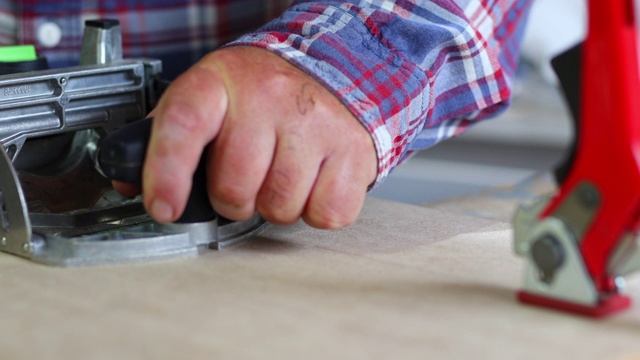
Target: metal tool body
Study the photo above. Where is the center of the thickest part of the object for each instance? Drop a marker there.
(55, 207)
(579, 243)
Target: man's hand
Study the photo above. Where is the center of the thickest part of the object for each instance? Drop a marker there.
(282, 144)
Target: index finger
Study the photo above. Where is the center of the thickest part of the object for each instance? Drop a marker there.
(187, 118)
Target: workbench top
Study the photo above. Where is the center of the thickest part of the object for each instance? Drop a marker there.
(403, 282)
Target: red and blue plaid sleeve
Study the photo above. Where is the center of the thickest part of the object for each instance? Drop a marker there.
(414, 72)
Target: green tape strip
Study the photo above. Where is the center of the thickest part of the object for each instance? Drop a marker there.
(17, 53)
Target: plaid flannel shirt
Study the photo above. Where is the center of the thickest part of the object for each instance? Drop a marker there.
(414, 72)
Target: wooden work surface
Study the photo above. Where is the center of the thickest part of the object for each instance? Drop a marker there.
(403, 282)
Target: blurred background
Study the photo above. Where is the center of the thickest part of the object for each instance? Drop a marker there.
(528, 140)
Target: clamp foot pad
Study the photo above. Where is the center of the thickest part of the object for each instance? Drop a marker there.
(608, 306)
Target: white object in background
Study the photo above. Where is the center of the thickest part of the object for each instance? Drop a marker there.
(49, 34)
(553, 27)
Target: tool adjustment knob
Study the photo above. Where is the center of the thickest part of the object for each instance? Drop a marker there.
(548, 255)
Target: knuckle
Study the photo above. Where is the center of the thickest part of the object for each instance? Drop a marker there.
(179, 119)
(280, 186)
(279, 200)
(325, 216)
(231, 195)
(279, 79)
(166, 189)
(276, 214)
(279, 82)
(187, 106)
(327, 221)
(337, 207)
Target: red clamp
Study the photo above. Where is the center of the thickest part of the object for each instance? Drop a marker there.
(582, 241)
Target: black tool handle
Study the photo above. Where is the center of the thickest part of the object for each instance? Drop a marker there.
(121, 158)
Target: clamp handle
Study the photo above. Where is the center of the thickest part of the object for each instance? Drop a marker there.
(121, 157)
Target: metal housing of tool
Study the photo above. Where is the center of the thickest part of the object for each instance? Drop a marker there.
(581, 242)
(55, 207)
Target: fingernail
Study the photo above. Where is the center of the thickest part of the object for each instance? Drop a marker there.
(161, 211)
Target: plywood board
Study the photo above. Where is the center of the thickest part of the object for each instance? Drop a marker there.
(404, 282)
